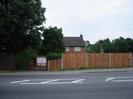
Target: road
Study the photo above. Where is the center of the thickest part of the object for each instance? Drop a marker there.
(67, 85)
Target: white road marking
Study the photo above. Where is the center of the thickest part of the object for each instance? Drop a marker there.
(130, 80)
(49, 81)
(124, 77)
(38, 83)
(30, 83)
(108, 79)
(19, 81)
(120, 79)
(53, 79)
(64, 83)
(77, 81)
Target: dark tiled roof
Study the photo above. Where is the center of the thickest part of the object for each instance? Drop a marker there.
(74, 42)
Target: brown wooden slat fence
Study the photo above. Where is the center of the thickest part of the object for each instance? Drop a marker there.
(91, 60)
(7, 62)
(54, 65)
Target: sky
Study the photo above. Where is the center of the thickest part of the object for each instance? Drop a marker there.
(94, 19)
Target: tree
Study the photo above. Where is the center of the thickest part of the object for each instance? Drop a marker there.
(20, 24)
(90, 48)
(116, 46)
(52, 45)
(106, 45)
(130, 44)
(120, 45)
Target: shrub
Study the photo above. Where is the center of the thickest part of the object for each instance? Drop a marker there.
(24, 58)
(54, 55)
(21, 63)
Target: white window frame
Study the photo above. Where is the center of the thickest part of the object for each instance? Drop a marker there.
(67, 49)
(77, 49)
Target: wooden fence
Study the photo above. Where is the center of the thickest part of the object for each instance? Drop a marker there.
(91, 60)
(7, 62)
(54, 65)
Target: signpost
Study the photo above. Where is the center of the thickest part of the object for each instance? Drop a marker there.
(41, 61)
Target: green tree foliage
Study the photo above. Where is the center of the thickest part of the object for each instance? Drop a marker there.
(120, 45)
(130, 43)
(20, 24)
(24, 59)
(52, 44)
(106, 45)
(114, 46)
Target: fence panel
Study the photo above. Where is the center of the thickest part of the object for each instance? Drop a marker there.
(74, 60)
(54, 65)
(121, 59)
(92, 60)
(7, 62)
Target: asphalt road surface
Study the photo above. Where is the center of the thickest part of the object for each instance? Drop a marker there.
(67, 85)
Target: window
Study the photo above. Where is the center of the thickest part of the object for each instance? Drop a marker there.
(77, 49)
(67, 49)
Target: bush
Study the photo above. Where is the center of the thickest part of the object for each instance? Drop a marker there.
(24, 58)
(54, 55)
(21, 63)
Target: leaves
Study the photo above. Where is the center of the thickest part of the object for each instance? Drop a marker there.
(116, 46)
(20, 24)
(53, 41)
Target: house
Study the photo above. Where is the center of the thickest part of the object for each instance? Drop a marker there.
(74, 44)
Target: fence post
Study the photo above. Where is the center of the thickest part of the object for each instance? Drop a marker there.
(86, 59)
(47, 64)
(62, 62)
(110, 65)
(132, 59)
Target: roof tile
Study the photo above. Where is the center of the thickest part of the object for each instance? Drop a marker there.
(74, 42)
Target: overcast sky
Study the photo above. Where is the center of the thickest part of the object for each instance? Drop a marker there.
(95, 19)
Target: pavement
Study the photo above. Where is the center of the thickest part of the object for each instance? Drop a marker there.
(84, 84)
(65, 72)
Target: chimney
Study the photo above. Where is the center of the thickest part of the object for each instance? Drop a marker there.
(81, 35)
